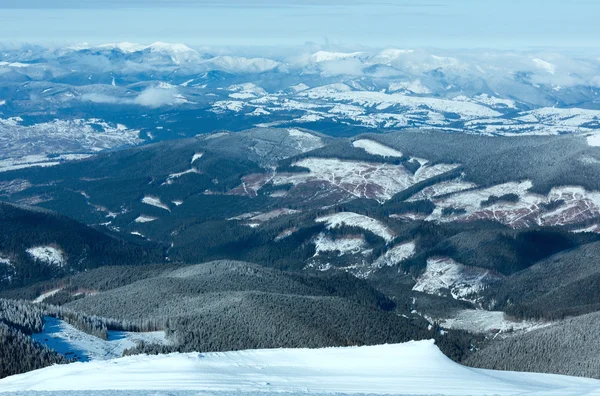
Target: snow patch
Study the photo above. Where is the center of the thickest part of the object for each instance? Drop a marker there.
(154, 201)
(444, 275)
(196, 157)
(71, 342)
(481, 321)
(344, 245)
(45, 295)
(144, 219)
(396, 255)
(305, 141)
(351, 219)
(376, 148)
(299, 87)
(48, 255)
(359, 179)
(173, 176)
(593, 140)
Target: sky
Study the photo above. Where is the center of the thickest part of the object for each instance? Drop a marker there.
(499, 24)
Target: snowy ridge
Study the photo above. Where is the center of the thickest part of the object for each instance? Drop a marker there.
(412, 368)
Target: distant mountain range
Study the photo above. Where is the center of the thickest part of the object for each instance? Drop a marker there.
(80, 100)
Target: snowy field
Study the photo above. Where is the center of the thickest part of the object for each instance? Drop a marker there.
(413, 368)
(73, 343)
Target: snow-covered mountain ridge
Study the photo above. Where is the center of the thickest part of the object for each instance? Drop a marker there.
(482, 92)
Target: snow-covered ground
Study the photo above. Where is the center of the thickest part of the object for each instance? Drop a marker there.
(413, 368)
(594, 140)
(23, 145)
(445, 276)
(29, 161)
(396, 255)
(376, 148)
(345, 245)
(155, 201)
(45, 295)
(305, 141)
(73, 343)
(482, 321)
(144, 219)
(360, 179)
(351, 219)
(47, 254)
(574, 205)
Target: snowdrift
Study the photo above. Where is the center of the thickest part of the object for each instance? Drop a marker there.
(414, 368)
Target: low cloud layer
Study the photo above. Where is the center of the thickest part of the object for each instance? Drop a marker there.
(151, 97)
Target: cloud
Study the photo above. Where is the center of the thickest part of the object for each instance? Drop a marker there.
(151, 97)
(101, 98)
(155, 97)
(348, 67)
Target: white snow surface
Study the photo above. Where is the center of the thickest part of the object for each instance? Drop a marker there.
(196, 157)
(345, 245)
(379, 181)
(396, 255)
(412, 368)
(305, 141)
(382, 101)
(144, 219)
(71, 342)
(376, 148)
(576, 205)
(357, 220)
(444, 275)
(154, 201)
(594, 140)
(47, 254)
(45, 295)
(482, 321)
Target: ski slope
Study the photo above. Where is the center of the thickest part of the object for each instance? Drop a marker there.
(413, 368)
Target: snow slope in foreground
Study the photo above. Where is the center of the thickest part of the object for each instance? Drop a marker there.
(413, 368)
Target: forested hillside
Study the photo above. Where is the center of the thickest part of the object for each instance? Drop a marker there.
(234, 305)
(37, 245)
(569, 348)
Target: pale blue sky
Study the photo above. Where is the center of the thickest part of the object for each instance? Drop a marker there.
(436, 23)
